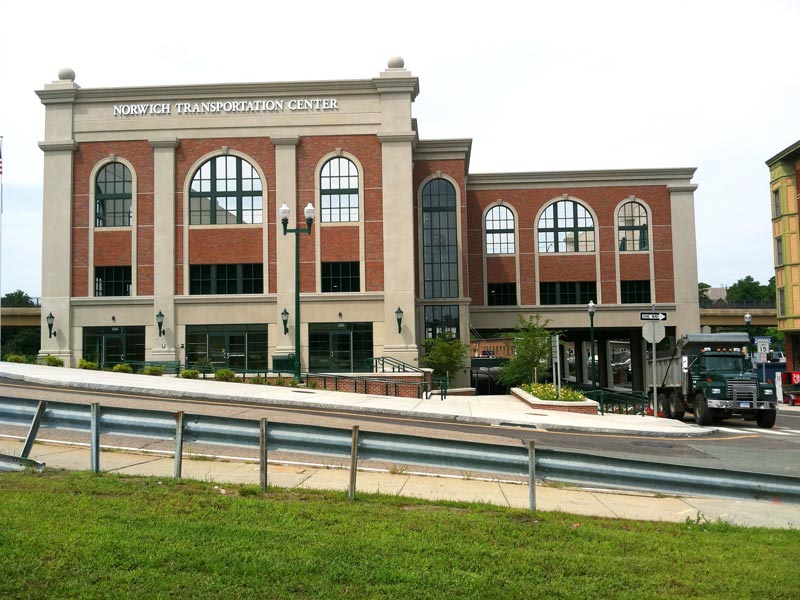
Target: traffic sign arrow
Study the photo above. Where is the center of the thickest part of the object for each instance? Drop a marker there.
(654, 316)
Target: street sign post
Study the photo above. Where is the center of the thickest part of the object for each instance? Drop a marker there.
(554, 352)
(653, 333)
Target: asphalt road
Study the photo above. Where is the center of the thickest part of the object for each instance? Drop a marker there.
(740, 445)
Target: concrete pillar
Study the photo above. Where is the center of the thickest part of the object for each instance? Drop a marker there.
(397, 89)
(58, 147)
(286, 191)
(163, 347)
(684, 259)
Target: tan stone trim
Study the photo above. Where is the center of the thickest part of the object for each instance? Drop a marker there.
(164, 143)
(63, 146)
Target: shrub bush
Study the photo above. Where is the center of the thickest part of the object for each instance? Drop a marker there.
(190, 374)
(224, 375)
(153, 370)
(87, 364)
(16, 358)
(257, 379)
(547, 391)
(122, 368)
(53, 361)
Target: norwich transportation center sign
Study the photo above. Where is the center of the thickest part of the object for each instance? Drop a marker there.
(151, 109)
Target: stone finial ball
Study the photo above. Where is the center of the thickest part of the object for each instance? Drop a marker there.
(66, 74)
(396, 62)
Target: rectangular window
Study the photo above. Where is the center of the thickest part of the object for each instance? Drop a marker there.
(776, 203)
(226, 279)
(567, 292)
(236, 347)
(113, 212)
(781, 303)
(112, 281)
(441, 320)
(778, 251)
(635, 292)
(341, 277)
(502, 294)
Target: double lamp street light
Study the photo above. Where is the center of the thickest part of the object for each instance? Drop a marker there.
(284, 212)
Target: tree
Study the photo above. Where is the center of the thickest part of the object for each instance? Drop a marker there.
(444, 354)
(17, 298)
(702, 294)
(531, 352)
(749, 289)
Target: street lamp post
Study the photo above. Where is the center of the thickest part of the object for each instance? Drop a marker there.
(284, 212)
(747, 318)
(591, 308)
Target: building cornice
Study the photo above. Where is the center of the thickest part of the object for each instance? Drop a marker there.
(58, 146)
(397, 85)
(164, 143)
(784, 154)
(448, 149)
(616, 177)
(214, 90)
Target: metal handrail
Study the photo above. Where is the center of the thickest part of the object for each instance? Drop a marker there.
(397, 366)
(556, 465)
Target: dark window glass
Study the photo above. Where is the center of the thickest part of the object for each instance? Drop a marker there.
(502, 294)
(112, 193)
(567, 292)
(225, 190)
(235, 346)
(779, 251)
(108, 346)
(338, 182)
(439, 240)
(500, 231)
(112, 281)
(226, 279)
(441, 320)
(341, 277)
(781, 302)
(776, 203)
(635, 292)
(632, 227)
(566, 226)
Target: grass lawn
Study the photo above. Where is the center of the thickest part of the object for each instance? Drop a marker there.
(78, 535)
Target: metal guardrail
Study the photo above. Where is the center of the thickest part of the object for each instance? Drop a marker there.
(553, 465)
(391, 365)
(17, 463)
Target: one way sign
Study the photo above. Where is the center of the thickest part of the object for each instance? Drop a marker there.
(653, 316)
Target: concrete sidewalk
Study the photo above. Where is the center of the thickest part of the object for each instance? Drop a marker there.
(599, 503)
(495, 410)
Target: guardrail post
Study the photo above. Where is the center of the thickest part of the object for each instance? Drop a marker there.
(94, 438)
(262, 455)
(351, 494)
(532, 474)
(178, 445)
(34, 429)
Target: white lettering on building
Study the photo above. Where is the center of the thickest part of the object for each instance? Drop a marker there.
(226, 107)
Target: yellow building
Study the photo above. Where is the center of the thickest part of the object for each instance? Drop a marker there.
(783, 173)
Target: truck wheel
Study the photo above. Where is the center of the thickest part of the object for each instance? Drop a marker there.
(702, 414)
(675, 407)
(663, 405)
(766, 418)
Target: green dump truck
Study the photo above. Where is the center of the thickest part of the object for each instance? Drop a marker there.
(711, 376)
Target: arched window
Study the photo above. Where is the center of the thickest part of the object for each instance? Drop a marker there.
(632, 227)
(500, 231)
(224, 190)
(338, 183)
(439, 239)
(112, 195)
(566, 226)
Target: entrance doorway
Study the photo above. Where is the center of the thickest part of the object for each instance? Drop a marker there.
(108, 346)
(339, 347)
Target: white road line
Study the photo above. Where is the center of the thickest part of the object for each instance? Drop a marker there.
(795, 431)
(759, 430)
(729, 429)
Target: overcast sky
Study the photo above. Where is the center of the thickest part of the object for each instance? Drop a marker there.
(538, 86)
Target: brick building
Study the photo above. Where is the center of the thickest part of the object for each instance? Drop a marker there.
(164, 203)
